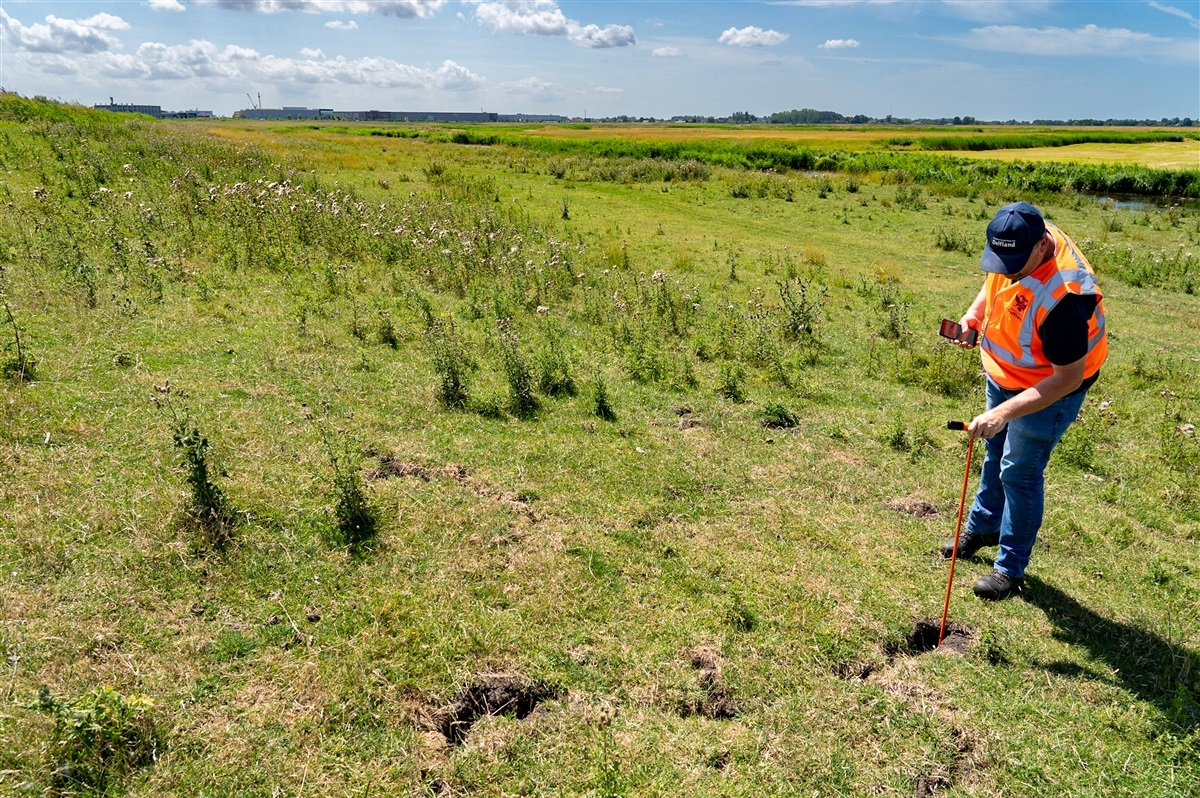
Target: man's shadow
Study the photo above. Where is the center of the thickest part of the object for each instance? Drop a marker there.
(1159, 671)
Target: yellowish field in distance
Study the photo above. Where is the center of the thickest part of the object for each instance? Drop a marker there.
(1158, 155)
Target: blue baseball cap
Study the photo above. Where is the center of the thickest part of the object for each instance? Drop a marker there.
(1013, 233)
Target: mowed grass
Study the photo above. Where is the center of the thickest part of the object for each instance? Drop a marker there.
(715, 606)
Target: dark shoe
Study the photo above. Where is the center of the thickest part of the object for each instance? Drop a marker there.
(968, 544)
(997, 585)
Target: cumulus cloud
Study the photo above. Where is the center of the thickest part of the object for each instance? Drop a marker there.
(595, 36)
(166, 5)
(535, 88)
(545, 18)
(199, 59)
(666, 52)
(91, 35)
(752, 36)
(838, 44)
(607, 91)
(421, 9)
(339, 25)
(1090, 40)
(308, 52)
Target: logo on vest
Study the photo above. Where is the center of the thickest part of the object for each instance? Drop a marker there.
(1019, 306)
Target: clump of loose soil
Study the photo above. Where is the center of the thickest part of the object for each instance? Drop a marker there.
(959, 638)
(389, 466)
(687, 420)
(490, 694)
(718, 702)
(914, 506)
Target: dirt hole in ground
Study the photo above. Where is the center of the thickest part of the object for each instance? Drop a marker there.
(960, 637)
(490, 694)
(914, 506)
(389, 466)
(717, 702)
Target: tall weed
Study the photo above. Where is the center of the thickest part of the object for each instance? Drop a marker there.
(99, 739)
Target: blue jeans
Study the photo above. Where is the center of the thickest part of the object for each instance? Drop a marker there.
(1011, 495)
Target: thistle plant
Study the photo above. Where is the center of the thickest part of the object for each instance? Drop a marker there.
(18, 363)
(451, 362)
(98, 739)
(355, 520)
(209, 507)
(518, 372)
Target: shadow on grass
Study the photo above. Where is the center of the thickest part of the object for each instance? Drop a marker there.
(1152, 668)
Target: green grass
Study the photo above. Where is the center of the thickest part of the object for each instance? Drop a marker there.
(651, 566)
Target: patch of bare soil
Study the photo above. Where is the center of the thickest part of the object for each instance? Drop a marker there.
(688, 420)
(389, 466)
(718, 702)
(490, 694)
(914, 506)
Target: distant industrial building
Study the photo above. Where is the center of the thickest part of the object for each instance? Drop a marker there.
(155, 111)
(288, 112)
(531, 118)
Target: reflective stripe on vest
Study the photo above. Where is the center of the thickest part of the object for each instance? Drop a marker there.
(1044, 296)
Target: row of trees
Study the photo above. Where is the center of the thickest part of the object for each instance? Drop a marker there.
(811, 116)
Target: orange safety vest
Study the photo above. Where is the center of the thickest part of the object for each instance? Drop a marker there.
(1012, 348)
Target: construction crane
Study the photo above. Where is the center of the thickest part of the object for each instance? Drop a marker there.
(251, 99)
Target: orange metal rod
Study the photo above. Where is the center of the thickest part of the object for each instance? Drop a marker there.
(962, 502)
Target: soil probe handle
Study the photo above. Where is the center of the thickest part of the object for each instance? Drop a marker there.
(961, 426)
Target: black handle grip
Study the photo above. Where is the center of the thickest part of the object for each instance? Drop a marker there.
(961, 426)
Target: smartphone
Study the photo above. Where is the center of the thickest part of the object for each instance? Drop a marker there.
(953, 331)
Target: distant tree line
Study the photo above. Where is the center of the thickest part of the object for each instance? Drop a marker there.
(811, 116)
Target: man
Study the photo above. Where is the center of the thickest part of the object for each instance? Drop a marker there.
(1040, 320)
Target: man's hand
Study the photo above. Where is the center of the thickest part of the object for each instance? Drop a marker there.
(989, 424)
(973, 318)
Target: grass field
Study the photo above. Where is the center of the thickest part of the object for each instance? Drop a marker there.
(345, 465)
(1159, 155)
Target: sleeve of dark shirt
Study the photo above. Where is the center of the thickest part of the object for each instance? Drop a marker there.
(1064, 331)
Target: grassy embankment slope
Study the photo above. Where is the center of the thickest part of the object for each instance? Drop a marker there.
(703, 604)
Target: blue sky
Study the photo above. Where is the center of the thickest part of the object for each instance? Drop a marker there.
(991, 59)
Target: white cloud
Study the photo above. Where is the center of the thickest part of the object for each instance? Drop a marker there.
(1177, 12)
(196, 59)
(607, 91)
(752, 36)
(166, 5)
(667, 52)
(339, 25)
(997, 10)
(545, 18)
(421, 9)
(203, 60)
(536, 17)
(597, 37)
(1090, 40)
(57, 35)
(535, 88)
(838, 44)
